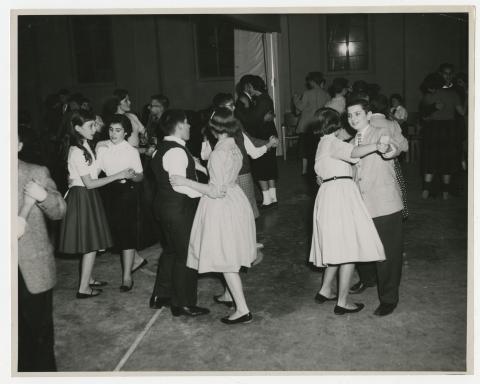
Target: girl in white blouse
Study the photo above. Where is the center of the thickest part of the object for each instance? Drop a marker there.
(84, 229)
(123, 210)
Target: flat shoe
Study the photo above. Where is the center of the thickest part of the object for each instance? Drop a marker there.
(320, 299)
(247, 318)
(228, 303)
(342, 311)
(93, 293)
(97, 284)
(141, 265)
(126, 288)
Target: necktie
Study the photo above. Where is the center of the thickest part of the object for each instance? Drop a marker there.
(359, 138)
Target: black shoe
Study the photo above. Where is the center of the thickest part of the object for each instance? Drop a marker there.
(159, 302)
(126, 288)
(228, 303)
(141, 265)
(320, 299)
(97, 284)
(189, 310)
(242, 319)
(93, 293)
(359, 287)
(342, 311)
(385, 309)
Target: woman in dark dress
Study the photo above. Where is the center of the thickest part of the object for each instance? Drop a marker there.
(263, 127)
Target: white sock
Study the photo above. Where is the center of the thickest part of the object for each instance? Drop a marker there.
(266, 198)
(273, 194)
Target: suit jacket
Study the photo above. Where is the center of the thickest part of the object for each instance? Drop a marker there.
(35, 250)
(375, 175)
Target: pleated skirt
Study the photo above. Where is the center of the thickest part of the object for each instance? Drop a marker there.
(85, 227)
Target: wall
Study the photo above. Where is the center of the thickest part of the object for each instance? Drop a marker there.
(404, 49)
(151, 54)
(156, 53)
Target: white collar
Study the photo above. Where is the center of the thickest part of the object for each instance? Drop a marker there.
(363, 131)
(176, 139)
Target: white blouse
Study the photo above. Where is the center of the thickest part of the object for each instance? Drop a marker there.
(78, 166)
(114, 158)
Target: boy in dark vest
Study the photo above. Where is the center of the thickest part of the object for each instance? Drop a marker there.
(174, 207)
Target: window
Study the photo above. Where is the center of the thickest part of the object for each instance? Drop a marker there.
(92, 49)
(347, 42)
(214, 48)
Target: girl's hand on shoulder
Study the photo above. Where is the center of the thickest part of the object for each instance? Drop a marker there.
(101, 144)
(178, 181)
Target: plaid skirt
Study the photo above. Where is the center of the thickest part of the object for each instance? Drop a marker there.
(403, 186)
(246, 183)
(84, 228)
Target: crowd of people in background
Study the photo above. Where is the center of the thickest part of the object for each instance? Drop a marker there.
(188, 179)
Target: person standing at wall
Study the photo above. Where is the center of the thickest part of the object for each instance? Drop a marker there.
(38, 200)
(439, 107)
(314, 98)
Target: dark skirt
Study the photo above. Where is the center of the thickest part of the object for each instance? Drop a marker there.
(439, 146)
(123, 212)
(85, 227)
(265, 167)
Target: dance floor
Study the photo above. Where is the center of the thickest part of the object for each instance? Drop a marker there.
(290, 332)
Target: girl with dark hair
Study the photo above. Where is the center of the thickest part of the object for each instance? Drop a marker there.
(123, 195)
(120, 104)
(264, 169)
(343, 231)
(84, 229)
(223, 232)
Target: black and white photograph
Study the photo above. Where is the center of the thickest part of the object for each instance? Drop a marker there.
(253, 191)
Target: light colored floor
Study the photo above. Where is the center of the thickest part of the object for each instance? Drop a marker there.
(290, 331)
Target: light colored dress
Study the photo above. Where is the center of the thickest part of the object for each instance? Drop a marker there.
(343, 231)
(223, 237)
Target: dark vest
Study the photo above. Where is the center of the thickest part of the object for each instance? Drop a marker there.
(240, 141)
(166, 198)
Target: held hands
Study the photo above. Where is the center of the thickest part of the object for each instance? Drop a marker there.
(128, 173)
(216, 192)
(272, 142)
(319, 181)
(35, 191)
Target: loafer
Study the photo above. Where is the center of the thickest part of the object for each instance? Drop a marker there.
(189, 310)
(157, 302)
(320, 299)
(342, 311)
(384, 309)
(141, 265)
(93, 293)
(247, 318)
(126, 288)
(359, 287)
(228, 303)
